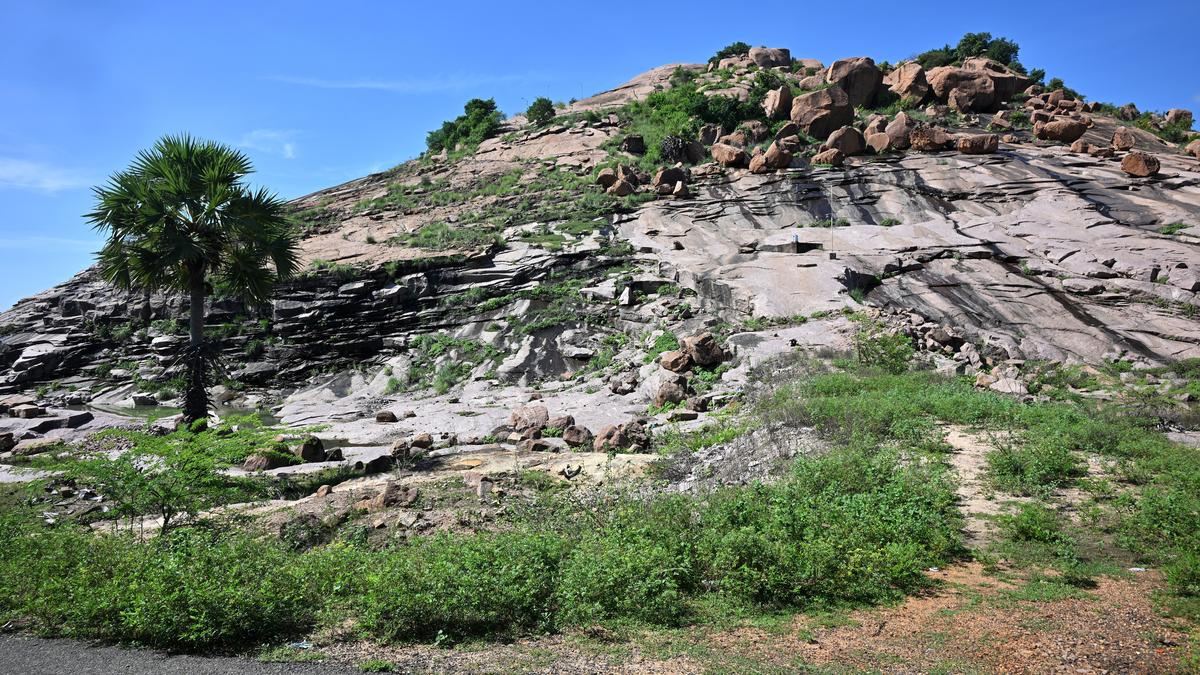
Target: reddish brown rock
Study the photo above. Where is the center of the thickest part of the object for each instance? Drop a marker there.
(577, 436)
(1123, 139)
(675, 361)
(778, 103)
(976, 93)
(977, 144)
(532, 416)
(620, 188)
(669, 176)
(770, 57)
(879, 142)
(832, 157)
(728, 155)
(1140, 164)
(898, 131)
(606, 177)
(859, 77)
(703, 348)
(928, 138)
(848, 140)
(1193, 148)
(908, 82)
(777, 157)
(1064, 130)
(758, 164)
(1180, 117)
(820, 113)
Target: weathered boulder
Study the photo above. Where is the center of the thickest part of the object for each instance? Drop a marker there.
(265, 461)
(7, 441)
(709, 133)
(531, 416)
(1005, 82)
(898, 131)
(606, 177)
(386, 417)
(392, 495)
(977, 144)
(611, 438)
(777, 156)
(310, 449)
(879, 142)
(859, 77)
(1140, 164)
(1193, 148)
(770, 57)
(634, 144)
(928, 138)
(560, 423)
(832, 157)
(577, 436)
(669, 175)
(670, 390)
(975, 91)
(848, 140)
(728, 155)
(1179, 116)
(908, 82)
(621, 188)
(820, 113)
(1123, 139)
(676, 361)
(704, 349)
(1062, 129)
(778, 103)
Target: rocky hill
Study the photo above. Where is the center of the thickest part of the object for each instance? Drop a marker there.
(996, 221)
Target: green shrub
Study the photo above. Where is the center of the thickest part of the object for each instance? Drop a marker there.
(736, 49)
(480, 121)
(1033, 466)
(540, 112)
(877, 347)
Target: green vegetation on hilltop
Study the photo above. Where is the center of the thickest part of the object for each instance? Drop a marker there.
(480, 121)
(971, 45)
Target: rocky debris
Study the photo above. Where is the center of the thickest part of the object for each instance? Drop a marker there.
(848, 140)
(929, 138)
(728, 155)
(778, 103)
(393, 495)
(977, 144)
(907, 81)
(1123, 139)
(1140, 164)
(770, 57)
(822, 112)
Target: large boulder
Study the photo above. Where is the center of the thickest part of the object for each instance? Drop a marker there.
(704, 349)
(977, 144)
(1123, 139)
(1140, 164)
(676, 361)
(859, 77)
(669, 176)
(1179, 116)
(671, 390)
(577, 437)
(908, 82)
(310, 449)
(770, 57)
(728, 155)
(820, 113)
(777, 155)
(929, 138)
(1061, 129)
(848, 140)
(975, 90)
(898, 131)
(266, 461)
(832, 157)
(1193, 148)
(778, 103)
(527, 417)
(1005, 82)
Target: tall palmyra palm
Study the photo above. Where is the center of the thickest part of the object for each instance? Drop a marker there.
(182, 218)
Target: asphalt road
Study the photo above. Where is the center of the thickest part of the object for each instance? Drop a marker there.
(25, 655)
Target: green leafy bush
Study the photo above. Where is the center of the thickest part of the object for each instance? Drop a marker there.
(480, 121)
(541, 111)
(736, 49)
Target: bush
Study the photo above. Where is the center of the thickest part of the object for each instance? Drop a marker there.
(540, 112)
(736, 49)
(1033, 466)
(971, 45)
(877, 347)
(480, 121)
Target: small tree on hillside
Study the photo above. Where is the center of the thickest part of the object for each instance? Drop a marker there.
(181, 218)
(541, 111)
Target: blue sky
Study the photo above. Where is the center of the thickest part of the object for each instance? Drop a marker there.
(320, 93)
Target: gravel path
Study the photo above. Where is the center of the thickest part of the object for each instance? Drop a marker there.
(26, 655)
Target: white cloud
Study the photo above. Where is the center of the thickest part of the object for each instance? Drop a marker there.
(453, 82)
(24, 174)
(273, 141)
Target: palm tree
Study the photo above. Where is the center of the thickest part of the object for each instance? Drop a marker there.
(181, 218)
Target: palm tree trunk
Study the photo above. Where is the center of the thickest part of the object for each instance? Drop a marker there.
(195, 406)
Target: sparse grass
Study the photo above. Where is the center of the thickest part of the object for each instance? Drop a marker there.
(1173, 228)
